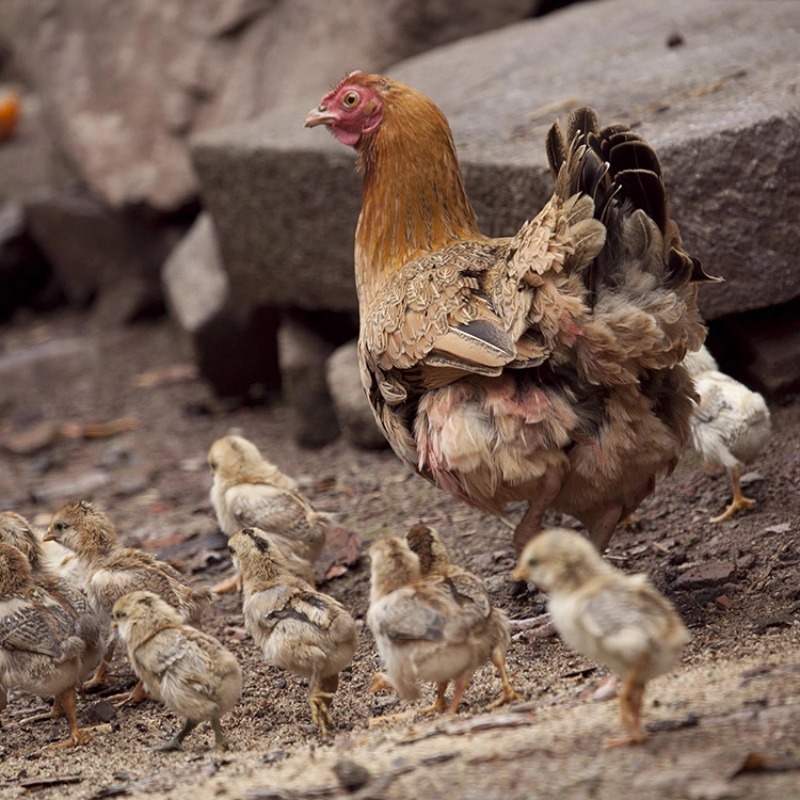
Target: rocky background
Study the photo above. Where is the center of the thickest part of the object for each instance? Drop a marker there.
(156, 163)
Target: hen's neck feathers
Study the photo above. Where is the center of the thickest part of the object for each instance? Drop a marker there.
(414, 199)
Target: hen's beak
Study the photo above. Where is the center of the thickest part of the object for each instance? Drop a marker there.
(319, 116)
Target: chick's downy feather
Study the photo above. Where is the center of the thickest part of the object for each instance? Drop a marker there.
(544, 366)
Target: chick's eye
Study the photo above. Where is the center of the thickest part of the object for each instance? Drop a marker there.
(350, 100)
(61, 526)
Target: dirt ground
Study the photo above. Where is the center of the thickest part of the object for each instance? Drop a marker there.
(725, 723)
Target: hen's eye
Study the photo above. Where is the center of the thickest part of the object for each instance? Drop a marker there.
(350, 99)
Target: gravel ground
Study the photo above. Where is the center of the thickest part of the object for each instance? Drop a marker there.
(724, 724)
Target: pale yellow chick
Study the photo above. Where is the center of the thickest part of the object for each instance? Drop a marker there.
(617, 619)
(730, 425)
(40, 649)
(249, 492)
(113, 571)
(421, 631)
(297, 627)
(491, 636)
(190, 671)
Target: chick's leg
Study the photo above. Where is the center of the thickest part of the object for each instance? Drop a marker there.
(320, 699)
(232, 584)
(100, 673)
(509, 694)
(77, 736)
(439, 704)
(56, 712)
(135, 696)
(630, 707)
(739, 501)
(220, 741)
(175, 744)
(461, 683)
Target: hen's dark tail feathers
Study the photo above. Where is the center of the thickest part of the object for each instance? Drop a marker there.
(622, 174)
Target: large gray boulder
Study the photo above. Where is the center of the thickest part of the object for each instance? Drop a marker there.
(711, 84)
(125, 83)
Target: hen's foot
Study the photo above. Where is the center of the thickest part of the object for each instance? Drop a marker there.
(738, 504)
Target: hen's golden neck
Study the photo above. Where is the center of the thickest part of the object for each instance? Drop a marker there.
(414, 199)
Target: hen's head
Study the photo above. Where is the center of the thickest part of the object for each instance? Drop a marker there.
(352, 110)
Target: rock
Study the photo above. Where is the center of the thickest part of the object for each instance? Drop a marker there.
(195, 282)
(351, 774)
(26, 372)
(82, 485)
(708, 106)
(24, 270)
(353, 412)
(302, 355)
(711, 573)
(123, 89)
(236, 351)
(96, 252)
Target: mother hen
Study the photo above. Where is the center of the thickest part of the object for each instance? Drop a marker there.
(543, 367)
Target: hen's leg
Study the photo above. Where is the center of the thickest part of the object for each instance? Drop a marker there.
(739, 501)
(543, 492)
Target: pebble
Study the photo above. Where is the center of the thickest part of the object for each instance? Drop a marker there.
(712, 573)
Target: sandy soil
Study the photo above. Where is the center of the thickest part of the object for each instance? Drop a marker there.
(724, 724)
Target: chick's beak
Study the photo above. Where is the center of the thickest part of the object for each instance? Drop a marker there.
(519, 574)
(319, 116)
(49, 537)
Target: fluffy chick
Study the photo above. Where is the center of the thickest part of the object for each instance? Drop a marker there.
(249, 492)
(40, 649)
(421, 631)
(730, 425)
(113, 571)
(491, 634)
(89, 626)
(617, 619)
(297, 627)
(190, 671)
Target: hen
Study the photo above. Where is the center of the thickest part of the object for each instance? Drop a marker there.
(618, 619)
(249, 492)
(543, 367)
(730, 424)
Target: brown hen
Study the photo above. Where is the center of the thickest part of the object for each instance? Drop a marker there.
(543, 367)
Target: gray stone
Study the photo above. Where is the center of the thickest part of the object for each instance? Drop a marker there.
(302, 355)
(29, 371)
(721, 109)
(99, 253)
(350, 404)
(124, 85)
(195, 282)
(712, 573)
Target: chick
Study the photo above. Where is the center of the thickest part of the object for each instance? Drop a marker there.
(113, 571)
(89, 627)
(617, 619)
(190, 671)
(296, 627)
(491, 636)
(730, 425)
(40, 649)
(421, 631)
(249, 492)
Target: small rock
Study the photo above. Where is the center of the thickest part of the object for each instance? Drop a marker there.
(350, 404)
(351, 775)
(99, 713)
(81, 486)
(783, 527)
(723, 602)
(751, 477)
(34, 438)
(712, 573)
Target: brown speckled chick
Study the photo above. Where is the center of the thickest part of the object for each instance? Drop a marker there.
(421, 631)
(40, 649)
(249, 492)
(491, 635)
(190, 671)
(89, 626)
(113, 571)
(297, 627)
(617, 619)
